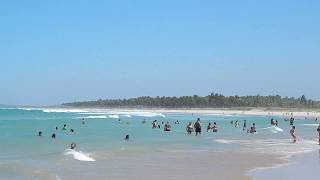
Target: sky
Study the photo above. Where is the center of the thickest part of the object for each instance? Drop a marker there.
(59, 51)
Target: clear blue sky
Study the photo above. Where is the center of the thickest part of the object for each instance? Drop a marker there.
(60, 51)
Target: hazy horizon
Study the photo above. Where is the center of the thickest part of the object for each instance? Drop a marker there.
(65, 51)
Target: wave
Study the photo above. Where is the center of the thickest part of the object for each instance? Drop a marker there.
(63, 110)
(114, 116)
(223, 141)
(78, 155)
(283, 147)
(316, 125)
(273, 129)
(53, 110)
(94, 117)
(221, 114)
(125, 113)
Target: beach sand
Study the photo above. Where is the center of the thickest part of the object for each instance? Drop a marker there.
(282, 112)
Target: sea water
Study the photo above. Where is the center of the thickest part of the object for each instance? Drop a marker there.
(25, 155)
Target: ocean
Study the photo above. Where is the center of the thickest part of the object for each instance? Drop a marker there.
(101, 150)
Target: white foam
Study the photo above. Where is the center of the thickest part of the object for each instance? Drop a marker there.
(223, 141)
(221, 114)
(113, 116)
(78, 155)
(94, 117)
(125, 113)
(273, 129)
(316, 125)
(283, 147)
(63, 110)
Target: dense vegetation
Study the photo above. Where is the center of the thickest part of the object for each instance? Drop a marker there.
(211, 101)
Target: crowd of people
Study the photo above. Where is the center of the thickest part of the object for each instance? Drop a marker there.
(194, 127)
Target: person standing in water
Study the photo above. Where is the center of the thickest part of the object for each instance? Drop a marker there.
(236, 125)
(189, 128)
(209, 127)
(197, 126)
(39, 133)
(292, 131)
(83, 121)
(244, 125)
(167, 127)
(318, 130)
(154, 124)
(291, 121)
(253, 128)
(214, 127)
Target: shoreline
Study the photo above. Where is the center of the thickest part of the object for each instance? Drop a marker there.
(285, 113)
(300, 166)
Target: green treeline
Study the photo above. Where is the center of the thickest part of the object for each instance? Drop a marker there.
(213, 100)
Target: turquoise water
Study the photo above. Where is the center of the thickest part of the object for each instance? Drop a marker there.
(102, 136)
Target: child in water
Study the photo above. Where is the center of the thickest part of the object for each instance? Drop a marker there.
(292, 131)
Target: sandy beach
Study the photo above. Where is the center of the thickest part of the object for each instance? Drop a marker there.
(297, 113)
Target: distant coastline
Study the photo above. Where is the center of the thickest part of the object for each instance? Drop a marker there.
(213, 100)
(311, 114)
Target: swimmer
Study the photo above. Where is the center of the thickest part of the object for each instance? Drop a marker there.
(154, 124)
(64, 127)
(244, 125)
(209, 127)
(197, 126)
(253, 128)
(318, 130)
(177, 122)
(189, 128)
(291, 121)
(292, 131)
(73, 145)
(71, 130)
(39, 133)
(272, 122)
(56, 128)
(127, 137)
(83, 121)
(53, 136)
(144, 121)
(276, 122)
(231, 122)
(167, 127)
(236, 125)
(215, 127)
(159, 126)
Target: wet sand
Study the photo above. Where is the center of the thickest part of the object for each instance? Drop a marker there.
(302, 166)
(168, 165)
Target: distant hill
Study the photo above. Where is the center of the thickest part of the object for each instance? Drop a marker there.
(213, 100)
